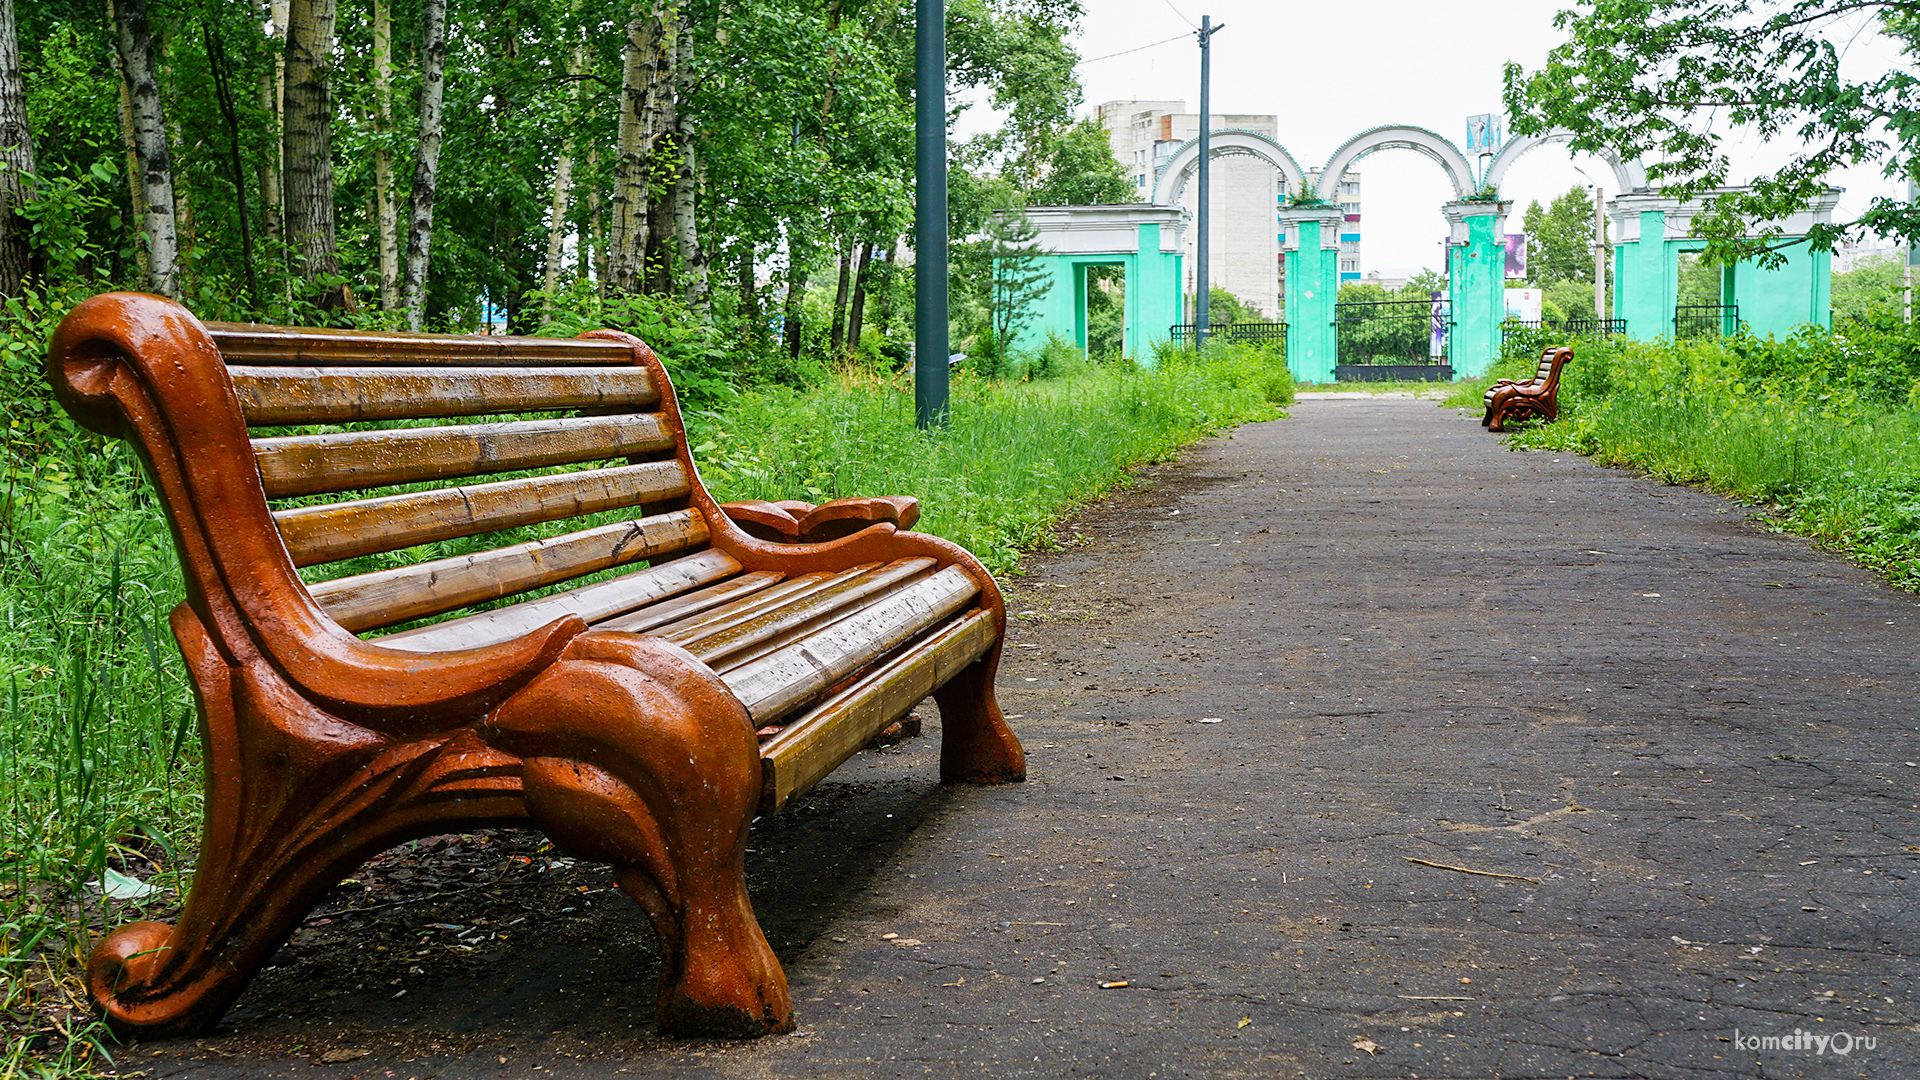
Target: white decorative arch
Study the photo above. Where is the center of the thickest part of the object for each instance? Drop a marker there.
(1397, 137)
(1172, 178)
(1629, 175)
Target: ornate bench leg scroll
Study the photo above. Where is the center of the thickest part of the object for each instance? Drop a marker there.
(637, 756)
(976, 745)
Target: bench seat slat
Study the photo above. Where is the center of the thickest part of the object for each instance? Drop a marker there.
(293, 465)
(259, 343)
(815, 744)
(782, 681)
(757, 637)
(321, 534)
(712, 596)
(601, 600)
(338, 395)
(712, 622)
(385, 597)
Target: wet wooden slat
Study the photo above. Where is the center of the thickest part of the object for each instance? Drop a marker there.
(259, 343)
(321, 534)
(814, 745)
(337, 395)
(763, 634)
(782, 681)
(598, 601)
(713, 596)
(292, 465)
(386, 597)
(739, 611)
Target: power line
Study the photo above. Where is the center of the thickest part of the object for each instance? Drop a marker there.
(1176, 11)
(1137, 48)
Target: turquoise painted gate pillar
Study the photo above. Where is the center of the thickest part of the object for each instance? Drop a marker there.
(1780, 299)
(1476, 283)
(1646, 265)
(1310, 244)
(1142, 239)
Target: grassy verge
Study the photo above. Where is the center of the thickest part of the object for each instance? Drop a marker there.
(99, 762)
(1823, 428)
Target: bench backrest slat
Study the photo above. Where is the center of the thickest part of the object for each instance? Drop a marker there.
(321, 395)
(292, 465)
(243, 343)
(323, 534)
(402, 594)
(1545, 370)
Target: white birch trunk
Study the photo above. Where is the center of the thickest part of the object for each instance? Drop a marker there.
(426, 170)
(154, 208)
(386, 214)
(16, 158)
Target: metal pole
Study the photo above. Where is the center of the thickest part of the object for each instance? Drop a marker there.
(1599, 253)
(1202, 243)
(930, 214)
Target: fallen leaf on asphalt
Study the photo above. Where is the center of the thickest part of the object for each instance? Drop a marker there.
(1117, 984)
(341, 1057)
(1366, 1044)
(906, 941)
(888, 937)
(1244, 1021)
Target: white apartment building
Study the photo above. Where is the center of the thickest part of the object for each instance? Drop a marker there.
(1247, 195)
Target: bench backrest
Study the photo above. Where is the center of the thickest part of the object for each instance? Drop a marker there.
(1551, 360)
(413, 476)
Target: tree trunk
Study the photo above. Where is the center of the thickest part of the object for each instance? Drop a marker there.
(749, 298)
(386, 213)
(222, 71)
(795, 325)
(155, 206)
(693, 255)
(645, 91)
(859, 306)
(426, 168)
(307, 148)
(563, 178)
(273, 102)
(16, 159)
(596, 221)
(838, 336)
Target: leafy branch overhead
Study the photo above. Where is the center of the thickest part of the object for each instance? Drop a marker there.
(1672, 81)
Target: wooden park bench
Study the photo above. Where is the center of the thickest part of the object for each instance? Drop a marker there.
(368, 670)
(1508, 400)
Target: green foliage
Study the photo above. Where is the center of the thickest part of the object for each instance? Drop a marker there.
(1560, 240)
(1822, 426)
(1016, 456)
(1874, 289)
(1667, 81)
(1224, 307)
(1080, 170)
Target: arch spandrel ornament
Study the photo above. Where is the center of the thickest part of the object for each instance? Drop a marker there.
(1170, 181)
(1629, 176)
(1397, 137)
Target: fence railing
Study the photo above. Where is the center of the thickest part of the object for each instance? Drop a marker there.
(1706, 320)
(1569, 327)
(1393, 332)
(1253, 333)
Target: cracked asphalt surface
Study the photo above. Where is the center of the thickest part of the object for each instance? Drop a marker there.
(1359, 746)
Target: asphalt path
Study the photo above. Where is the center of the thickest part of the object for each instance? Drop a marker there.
(1359, 746)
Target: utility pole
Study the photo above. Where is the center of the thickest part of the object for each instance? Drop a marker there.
(930, 214)
(1599, 252)
(1207, 30)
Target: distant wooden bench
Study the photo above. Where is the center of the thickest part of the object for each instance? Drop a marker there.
(1536, 398)
(365, 677)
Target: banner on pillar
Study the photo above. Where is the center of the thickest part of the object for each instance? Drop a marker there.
(1483, 133)
(1441, 320)
(1524, 304)
(1516, 256)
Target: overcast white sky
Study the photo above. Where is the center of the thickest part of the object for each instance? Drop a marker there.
(1330, 71)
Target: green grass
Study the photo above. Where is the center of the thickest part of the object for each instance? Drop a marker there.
(99, 756)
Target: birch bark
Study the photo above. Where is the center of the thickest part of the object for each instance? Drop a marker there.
(16, 159)
(154, 208)
(426, 168)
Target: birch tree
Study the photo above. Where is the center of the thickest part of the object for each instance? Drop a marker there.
(154, 208)
(426, 166)
(307, 147)
(386, 225)
(645, 95)
(16, 159)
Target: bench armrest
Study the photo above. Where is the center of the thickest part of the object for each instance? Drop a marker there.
(796, 522)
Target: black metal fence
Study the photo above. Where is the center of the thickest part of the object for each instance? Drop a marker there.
(1569, 327)
(1394, 332)
(1706, 320)
(1253, 333)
